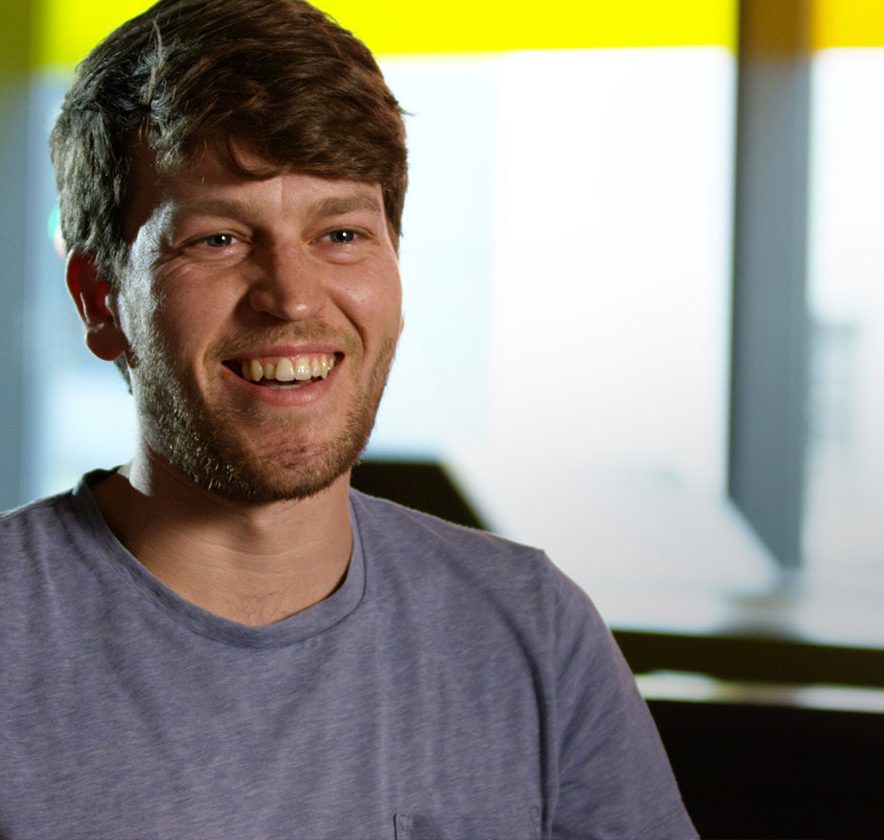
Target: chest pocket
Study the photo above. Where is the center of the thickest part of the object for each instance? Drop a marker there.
(520, 825)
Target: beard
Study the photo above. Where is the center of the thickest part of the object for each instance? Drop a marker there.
(293, 463)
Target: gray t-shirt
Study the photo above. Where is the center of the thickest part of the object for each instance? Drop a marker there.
(456, 686)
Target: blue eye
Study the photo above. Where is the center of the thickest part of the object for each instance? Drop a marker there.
(343, 237)
(219, 240)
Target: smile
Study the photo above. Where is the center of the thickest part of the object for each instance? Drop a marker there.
(285, 371)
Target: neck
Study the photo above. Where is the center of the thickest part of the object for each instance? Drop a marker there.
(254, 563)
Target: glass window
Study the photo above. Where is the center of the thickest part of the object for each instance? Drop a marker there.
(844, 531)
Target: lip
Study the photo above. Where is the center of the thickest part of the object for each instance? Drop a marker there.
(303, 397)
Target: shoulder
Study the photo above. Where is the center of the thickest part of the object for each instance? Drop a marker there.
(33, 522)
(39, 537)
(35, 545)
(45, 515)
(407, 526)
(478, 569)
(421, 537)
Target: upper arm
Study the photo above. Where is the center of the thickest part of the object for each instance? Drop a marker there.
(614, 777)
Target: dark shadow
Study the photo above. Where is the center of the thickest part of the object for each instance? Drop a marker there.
(749, 771)
(422, 485)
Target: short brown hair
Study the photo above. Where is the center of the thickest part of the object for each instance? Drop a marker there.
(189, 75)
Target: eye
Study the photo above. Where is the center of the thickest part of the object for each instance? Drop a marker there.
(343, 236)
(219, 240)
(214, 246)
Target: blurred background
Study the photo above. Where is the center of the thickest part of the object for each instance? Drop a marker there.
(644, 330)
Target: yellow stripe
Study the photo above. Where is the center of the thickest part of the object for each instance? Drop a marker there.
(68, 29)
(404, 26)
(848, 23)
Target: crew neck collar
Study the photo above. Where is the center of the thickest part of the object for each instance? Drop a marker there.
(307, 624)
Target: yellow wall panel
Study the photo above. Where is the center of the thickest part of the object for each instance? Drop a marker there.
(68, 29)
(848, 23)
(403, 26)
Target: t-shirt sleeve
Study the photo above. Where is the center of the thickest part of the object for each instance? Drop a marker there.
(615, 780)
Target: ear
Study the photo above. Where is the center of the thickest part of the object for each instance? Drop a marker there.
(92, 296)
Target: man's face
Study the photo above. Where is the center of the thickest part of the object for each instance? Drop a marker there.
(235, 286)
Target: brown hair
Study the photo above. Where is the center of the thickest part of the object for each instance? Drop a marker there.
(186, 75)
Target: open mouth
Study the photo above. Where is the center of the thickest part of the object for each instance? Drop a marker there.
(287, 372)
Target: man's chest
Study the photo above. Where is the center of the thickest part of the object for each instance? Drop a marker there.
(314, 745)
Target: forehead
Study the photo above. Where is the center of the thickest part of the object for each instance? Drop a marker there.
(211, 184)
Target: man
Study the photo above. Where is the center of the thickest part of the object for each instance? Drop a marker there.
(220, 639)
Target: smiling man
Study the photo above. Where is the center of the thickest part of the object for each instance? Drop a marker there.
(220, 639)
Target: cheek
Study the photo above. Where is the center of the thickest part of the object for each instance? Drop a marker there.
(189, 325)
(174, 326)
(374, 302)
(137, 310)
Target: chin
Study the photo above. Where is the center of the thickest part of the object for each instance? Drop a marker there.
(240, 469)
(243, 484)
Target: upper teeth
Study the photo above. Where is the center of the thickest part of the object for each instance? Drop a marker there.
(288, 368)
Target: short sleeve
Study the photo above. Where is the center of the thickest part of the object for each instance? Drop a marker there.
(615, 780)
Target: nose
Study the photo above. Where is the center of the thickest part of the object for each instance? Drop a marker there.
(289, 287)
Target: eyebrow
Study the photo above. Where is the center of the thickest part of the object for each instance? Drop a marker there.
(211, 207)
(338, 206)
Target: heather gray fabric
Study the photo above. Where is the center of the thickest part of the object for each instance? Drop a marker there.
(456, 686)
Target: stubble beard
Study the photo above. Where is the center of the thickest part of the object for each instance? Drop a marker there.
(175, 423)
